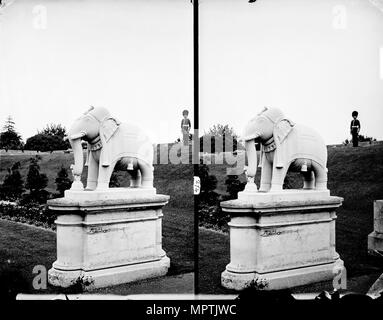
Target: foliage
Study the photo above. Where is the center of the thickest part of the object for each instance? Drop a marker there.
(219, 130)
(233, 186)
(212, 217)
(114, 181)
(210, 214)
(36, 182)
(31, 213)
(221, 138)
(54, 130)
(62, 181)
(45, 142)
(9, 138)
(13, 185)
(208, 185)
(363, 138)
(9, 124)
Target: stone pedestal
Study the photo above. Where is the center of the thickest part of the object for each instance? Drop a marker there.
(375, 238)
(281, 240)
(108, 237)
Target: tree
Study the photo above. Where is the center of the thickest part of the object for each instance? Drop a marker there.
(208, 182)
(218, 130)
(207, 194)
(49, 139)
(62, 181)
(221, 137)
(36, 181)
(9, 138)
(54, 130)
(13, 185)
(45, 142)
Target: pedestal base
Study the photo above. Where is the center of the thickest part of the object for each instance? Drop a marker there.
(108, 276)
(375, 238)
(375, 244)
(281, 279)
(281, 239)
(108, 237)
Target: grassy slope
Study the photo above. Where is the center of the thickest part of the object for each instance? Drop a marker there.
(356, 174)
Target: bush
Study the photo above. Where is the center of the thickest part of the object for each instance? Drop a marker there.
(37, 197)
(213, 217)
(62, 181)
(13, 186)
(31, 213)
(36, 182)
(45, 142)
(210, 214)
(233, 186)
(9, 138)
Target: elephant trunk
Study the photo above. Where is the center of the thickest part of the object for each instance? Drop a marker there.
(78, 156)
(251, 158)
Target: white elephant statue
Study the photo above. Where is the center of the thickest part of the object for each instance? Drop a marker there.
(110, 143)
(284, 145)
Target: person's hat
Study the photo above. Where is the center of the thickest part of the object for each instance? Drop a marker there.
(355, 113)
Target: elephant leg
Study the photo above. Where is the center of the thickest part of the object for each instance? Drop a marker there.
(320, 176)
(266, 175)
(135, 179)
(146, 174)
(308, 180)
(104, 174)
(278, 176)
(91, 182)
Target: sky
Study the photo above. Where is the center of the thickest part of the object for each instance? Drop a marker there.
(58, 57)
(315, 60)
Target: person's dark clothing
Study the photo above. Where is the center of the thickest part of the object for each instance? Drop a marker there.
(185, 127)
(354, 129)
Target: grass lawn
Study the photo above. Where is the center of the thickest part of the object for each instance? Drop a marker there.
(356, 174)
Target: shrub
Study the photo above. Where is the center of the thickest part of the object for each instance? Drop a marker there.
(62, 181)
(29, 213)
(36, 182)
(213, 217)
(13, 186)
(233, 186)
(45, 142)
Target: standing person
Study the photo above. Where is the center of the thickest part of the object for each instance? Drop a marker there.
(185, 127)
(355, 128)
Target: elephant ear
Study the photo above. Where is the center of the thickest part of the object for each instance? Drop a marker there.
(108, 127)
(281, 130)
